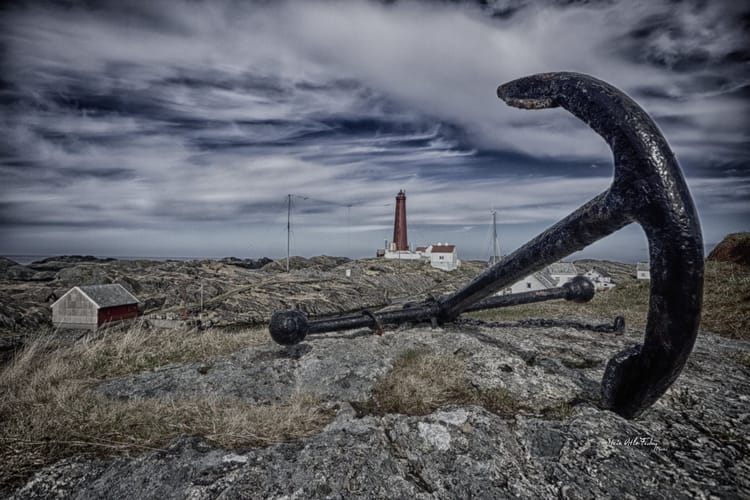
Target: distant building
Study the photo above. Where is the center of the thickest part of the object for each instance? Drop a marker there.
(643, 271)
(401, 254)
(540, 280)
(442, 256)
(94, 305)
(601, 279)
(562, 272)
(399, 247)
(554, 275)
(400, 240)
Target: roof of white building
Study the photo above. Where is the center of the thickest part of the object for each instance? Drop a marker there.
(600, 272)
(642, 266)
(545, 278)
(443, 248)
(104, 295)
(562, 268)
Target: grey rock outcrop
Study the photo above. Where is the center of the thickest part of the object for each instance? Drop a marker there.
(62, 261)
(13, 271)
(693, 443)
(246, 263)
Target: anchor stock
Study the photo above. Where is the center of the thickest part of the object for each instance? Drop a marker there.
(291, 327)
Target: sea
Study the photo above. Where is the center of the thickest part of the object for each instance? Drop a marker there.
(28, 259)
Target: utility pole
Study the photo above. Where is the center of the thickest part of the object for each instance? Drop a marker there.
(349, 230)
(288, 227)
(495, 246)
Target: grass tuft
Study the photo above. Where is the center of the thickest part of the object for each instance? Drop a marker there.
(726, 304)
(422, 381)
(726, 300)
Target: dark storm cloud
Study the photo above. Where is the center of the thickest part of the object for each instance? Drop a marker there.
(171, 115)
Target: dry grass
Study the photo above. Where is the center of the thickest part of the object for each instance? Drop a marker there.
(135, 349)
(629, 300)
(561, 411)
(48, 410)
(726, 304)
(726, 300)
(421, 381)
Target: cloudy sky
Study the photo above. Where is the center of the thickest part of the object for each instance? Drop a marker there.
(177, 128)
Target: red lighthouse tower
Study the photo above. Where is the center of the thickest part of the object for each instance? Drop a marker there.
(399, 225)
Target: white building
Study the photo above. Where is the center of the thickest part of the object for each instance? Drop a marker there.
(540, 280)
(601, 279)
(442, 256)
(562, 272)
(92, 306)
(402, 255)
(642, 271)
(554, 275)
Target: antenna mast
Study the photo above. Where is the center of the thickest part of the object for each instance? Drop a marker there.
(288, 227)
(495, 246)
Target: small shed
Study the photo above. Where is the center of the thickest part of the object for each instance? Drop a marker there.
(94, 305)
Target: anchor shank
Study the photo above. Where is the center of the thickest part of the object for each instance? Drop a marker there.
(591, 222)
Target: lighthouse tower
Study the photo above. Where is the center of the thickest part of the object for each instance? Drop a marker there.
(400, 240)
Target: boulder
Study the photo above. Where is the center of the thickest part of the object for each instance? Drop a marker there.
(733, 248)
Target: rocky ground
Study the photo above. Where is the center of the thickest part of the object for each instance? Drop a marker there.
(493, 411)
(235, 291)
(547, 439)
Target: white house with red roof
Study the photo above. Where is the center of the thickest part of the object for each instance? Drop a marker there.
(442, 256)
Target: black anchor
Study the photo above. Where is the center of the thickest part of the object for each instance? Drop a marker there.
(648, 188)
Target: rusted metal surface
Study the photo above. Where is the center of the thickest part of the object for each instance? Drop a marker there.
(648, 188)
